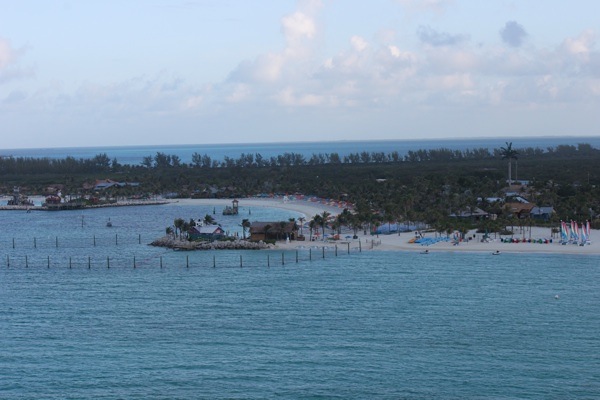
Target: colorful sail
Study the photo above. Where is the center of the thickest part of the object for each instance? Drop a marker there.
(583, 235)
(574, 232)
(564, 232)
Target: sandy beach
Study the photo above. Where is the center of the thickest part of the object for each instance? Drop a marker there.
(395, 242)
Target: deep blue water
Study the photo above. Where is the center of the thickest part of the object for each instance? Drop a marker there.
(135, 154)
(389, 325)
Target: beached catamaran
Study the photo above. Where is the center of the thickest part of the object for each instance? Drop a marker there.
(571, 233)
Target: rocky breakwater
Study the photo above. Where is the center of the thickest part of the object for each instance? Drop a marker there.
(178, 244)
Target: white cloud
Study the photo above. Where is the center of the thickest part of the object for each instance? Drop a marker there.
(298, 26)
(288, 97)
(358, 43)
(240, 93)
(580, 46)
(299, 31)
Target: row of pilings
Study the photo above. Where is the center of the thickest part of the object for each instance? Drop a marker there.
(214, 259)
(68, 242)
(102, 241)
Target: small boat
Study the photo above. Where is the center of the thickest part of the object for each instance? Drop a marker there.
(108, 223)
(425, 252)
(497, 252)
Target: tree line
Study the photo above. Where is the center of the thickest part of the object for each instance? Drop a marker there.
(102, 163)
(425, 185)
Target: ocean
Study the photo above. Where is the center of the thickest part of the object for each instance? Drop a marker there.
(134, 155)
(92, 312)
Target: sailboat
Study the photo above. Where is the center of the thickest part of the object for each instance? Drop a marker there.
(585, 233)
(564, 232)
(108, 223)
(574, 232)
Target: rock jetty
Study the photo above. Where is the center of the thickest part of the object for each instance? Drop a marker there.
(178, 244)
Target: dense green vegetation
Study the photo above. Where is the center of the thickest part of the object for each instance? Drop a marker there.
(425, 185)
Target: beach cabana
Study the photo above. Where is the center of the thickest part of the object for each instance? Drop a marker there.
(273, 230)
(206, 232)
(542, 213)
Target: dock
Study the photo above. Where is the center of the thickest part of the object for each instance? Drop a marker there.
(79, 206)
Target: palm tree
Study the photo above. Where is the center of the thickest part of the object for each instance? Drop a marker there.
(311, 226)
(324, 217)
(185, 227)
(245, 226)
(301, 220)
(208, 220)
(316, 222)
(281, 228)
(267, 228)
(356, 224)
(178, 223)
(390, 215)
(508, 153)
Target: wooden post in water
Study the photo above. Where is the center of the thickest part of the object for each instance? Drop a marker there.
(48, 261)
(282, 258)
(69, 262)
(296, 256)
(309, 254)
(336, 250)
(34, 243)
(57, 242)
(348, 247)
(140, 238)
(116, 239)
(214, 261)
(134, 262)
(161, 265)
(26, 262)
(89, 262)
(323, 251)
(13, 243)
(359, 246)
(7, 260)
(240, 261)
(107, 262)
(94, 240)
(268, 260)
(187, 261)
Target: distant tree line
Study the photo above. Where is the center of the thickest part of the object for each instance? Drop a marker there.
(426, 185)
(102, 163)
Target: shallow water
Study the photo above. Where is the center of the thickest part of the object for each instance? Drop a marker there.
(357, 325)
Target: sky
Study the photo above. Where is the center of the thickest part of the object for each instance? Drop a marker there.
(153, 72)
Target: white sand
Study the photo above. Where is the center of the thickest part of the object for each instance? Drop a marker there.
(395, 242)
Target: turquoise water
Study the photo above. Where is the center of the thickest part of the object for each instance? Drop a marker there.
(357, 325)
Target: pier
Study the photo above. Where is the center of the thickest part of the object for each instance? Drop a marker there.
(80, 206)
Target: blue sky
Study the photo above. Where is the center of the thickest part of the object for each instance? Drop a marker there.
(90, 73)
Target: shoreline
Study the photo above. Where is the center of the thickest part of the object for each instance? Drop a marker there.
(382, 242)
(67, 206)
(395, 242)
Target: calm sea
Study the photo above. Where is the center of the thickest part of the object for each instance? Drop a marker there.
(91, 312)
(135, 154)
